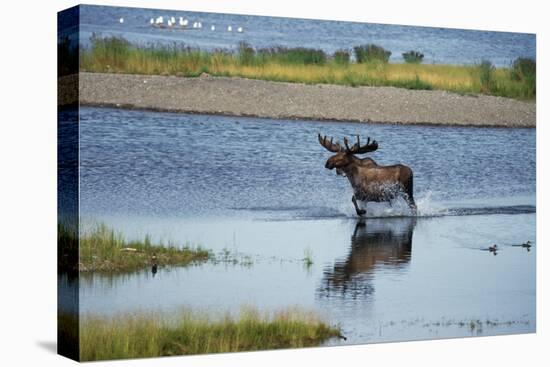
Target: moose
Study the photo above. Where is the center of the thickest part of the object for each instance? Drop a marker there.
(370, 182)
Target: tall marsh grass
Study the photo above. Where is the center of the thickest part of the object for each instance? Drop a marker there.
(486, 72)
(371, 53)
(525, 71)
(102, 249)
(413, 57)
(341, 57)
(302, 65)
(153, 335)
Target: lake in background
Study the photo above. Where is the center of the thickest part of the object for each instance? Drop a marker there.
(439, 45)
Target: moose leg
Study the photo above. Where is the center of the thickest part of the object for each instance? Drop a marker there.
(357, 209)
(412, 204)
(409, 196)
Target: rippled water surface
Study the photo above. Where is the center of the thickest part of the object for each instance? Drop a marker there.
(440, 45)
(257, 190)
(176, 164)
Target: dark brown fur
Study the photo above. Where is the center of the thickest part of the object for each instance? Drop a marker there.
(370, 182)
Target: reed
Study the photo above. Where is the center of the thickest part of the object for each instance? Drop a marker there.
(310, 66)
(525, 70)
(308, 257)
(371, 53)
(293, 56)
(104, 250)
(341, 57)
(413, 57)
(152, 334)
(486, 71)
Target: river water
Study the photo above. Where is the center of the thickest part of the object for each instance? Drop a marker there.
(439, 45)
(257, 191)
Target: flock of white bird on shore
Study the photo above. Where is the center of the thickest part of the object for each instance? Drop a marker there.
(182, 23)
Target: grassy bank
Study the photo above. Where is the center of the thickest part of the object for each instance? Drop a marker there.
(310, 66)
(153, 335)
(102, 249)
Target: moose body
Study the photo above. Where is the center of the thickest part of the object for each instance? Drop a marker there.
(370, 182)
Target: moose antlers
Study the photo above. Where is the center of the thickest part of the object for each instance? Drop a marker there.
(329, 145)
(355, 148)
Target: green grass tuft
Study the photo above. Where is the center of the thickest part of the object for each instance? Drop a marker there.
(308, 257)
(104, 250)
(371, 53)
(486, 76)
(341, 57)
(413, 57)
(524, 70)
(153, 335)
(298, 55)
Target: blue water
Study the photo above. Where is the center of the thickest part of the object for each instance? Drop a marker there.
(148, 163)
(257, 189)
(439, 45)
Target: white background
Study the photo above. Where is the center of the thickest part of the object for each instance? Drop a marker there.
(28, 181)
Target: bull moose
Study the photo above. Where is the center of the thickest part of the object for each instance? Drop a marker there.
(370, 182)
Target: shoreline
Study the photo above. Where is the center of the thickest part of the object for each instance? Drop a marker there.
(231, 96)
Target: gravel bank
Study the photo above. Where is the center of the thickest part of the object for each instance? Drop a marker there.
(246, 97)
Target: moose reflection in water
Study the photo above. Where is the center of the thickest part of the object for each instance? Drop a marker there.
(375, 244)
(370, 181)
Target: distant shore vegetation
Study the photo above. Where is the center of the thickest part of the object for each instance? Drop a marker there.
(363, 65)
(156, 334)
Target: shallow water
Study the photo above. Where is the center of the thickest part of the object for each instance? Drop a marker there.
(439, 45)
(257, 190)
(380, 279)
(148, 163)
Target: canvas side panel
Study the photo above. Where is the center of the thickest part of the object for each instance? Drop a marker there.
(67, 183)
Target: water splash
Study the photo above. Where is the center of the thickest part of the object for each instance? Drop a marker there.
(427, 207)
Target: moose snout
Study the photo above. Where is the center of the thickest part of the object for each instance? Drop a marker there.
(329, 165)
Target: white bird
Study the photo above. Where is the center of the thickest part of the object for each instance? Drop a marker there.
(121, 20)
(200, 24)
(229, 28)
(185, 22)
(240, 29)
(172, 20)
(169, 22)
(195, 25)
(213, 28)
(152, 21)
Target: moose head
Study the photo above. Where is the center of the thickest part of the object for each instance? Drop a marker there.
(345, 155)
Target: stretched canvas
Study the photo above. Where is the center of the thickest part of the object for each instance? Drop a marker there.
(232, 183)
